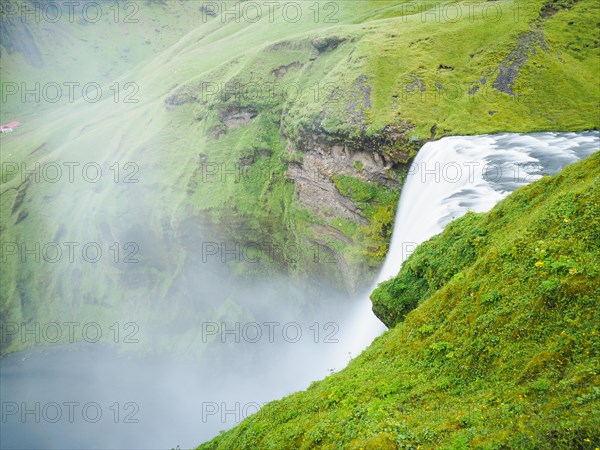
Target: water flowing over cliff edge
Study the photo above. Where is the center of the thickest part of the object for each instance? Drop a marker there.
(458, 174)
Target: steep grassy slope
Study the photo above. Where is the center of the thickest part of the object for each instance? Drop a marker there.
(502, 351)
(315, 161)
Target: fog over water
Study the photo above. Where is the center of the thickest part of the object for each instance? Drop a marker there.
(90, 395)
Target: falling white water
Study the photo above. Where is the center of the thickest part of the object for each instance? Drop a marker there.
(455, 175)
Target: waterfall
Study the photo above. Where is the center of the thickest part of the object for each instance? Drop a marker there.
(455, 175)
(448, 178)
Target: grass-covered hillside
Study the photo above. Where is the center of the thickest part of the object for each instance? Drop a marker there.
(273, 131)
(494, 339)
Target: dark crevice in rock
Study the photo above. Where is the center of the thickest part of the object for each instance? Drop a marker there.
(20, 197)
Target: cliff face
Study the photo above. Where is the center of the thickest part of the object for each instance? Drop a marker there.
(378, 159)
(320, 167)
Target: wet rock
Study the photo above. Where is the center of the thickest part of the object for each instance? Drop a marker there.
(473, 90)
(433, 130)
(236, 117)
(316, 191)
(180, 98)
(323, 158)
(324, 44)
(527, 44)
(417, 83)
(247, 160)
(217, 131)
(281, 71)
(208, 11)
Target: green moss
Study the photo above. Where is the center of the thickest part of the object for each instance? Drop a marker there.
(378, 205)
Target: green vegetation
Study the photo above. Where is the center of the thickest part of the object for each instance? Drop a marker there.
(378, 205)
(495, 339)
(431, 266)
(499, 348)
(385, 79)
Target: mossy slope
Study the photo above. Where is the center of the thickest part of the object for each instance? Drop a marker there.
(502, 351)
